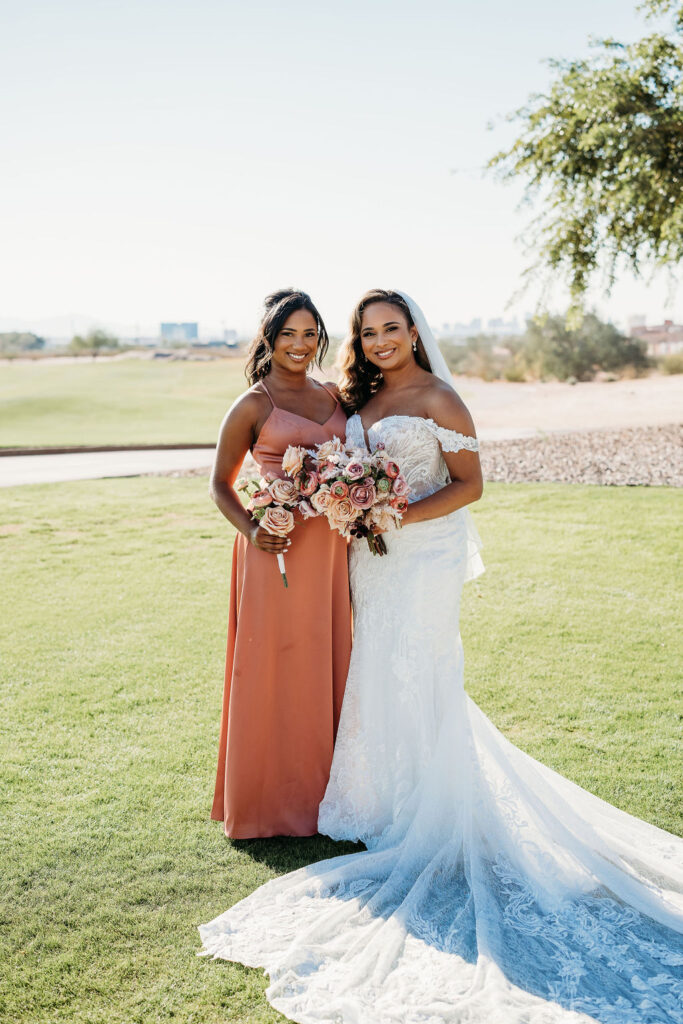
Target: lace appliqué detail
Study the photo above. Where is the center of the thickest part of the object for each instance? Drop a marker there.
(451, 440)
(417, 444)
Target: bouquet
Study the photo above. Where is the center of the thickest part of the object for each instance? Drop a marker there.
(272, 503)
(354, 490)
(356, 493)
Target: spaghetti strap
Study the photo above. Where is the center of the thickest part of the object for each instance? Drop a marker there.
(263, 385)
(330, 393)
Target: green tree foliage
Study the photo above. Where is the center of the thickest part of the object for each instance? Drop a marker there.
(94, 341)
(15, 342)
(482, 355)
(602, 152)
(551, 349)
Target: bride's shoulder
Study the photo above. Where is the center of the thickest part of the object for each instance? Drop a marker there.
(447, 409)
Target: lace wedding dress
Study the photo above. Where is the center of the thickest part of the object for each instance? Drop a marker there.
(493, 891)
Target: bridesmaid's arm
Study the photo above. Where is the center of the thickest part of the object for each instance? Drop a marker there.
(467, 485)
(237, 434)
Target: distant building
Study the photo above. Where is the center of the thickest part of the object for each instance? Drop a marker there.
(459, 330)
(180, 332)
(661, 339)
(499, 326)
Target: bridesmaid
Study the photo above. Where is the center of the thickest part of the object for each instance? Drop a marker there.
(288, 649)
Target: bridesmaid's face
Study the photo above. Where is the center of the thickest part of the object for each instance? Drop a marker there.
(297, 342)
(386, 338)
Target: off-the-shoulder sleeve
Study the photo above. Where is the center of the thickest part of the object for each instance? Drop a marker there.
(451, 440)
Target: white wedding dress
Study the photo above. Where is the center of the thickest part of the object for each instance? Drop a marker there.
(493, 890)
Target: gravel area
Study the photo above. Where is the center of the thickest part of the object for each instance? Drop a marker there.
(647, 456)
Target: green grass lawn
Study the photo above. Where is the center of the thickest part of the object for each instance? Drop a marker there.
(114, 616)
(131, 401)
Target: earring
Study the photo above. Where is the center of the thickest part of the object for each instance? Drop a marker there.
(414, 346)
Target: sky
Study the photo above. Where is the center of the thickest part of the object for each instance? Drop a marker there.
(175, 160)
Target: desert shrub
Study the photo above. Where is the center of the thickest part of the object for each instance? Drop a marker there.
(94, 341)
(15, 342)
(673, 363)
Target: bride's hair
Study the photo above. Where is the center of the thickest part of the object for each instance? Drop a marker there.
(359, 378)
(278, 308)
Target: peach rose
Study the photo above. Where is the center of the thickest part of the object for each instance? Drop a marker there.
(383, 517)
(293, 460)
(362, 496)
(399, 504)
(277, 520)
(284, 491)
(330, 449)
(400, 487)
(322, 499)
(341, 513)
(391, 469)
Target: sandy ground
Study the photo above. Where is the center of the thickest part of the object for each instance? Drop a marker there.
(504, 410)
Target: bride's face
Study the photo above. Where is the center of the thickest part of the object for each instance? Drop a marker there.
(297, 342)
(386, 337)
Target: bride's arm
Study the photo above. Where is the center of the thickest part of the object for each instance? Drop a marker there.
(467, 485)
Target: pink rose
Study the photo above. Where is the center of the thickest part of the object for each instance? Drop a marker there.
(260, 499)
(399, 504)
(362, 496)
(277, 520)
(322, 499)
(401, 487)
(309, 484)
(354, 470)
(293, 460)
(391, 469)
(308, 512)
(284, 491)
(339, 490)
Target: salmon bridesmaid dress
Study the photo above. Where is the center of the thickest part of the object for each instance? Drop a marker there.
(287, 659)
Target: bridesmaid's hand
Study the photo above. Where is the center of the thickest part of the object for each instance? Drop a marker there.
(269, 542)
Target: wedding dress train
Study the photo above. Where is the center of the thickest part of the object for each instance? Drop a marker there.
(493, 890)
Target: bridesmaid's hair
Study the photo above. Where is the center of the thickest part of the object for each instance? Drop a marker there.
(359, 378)
(278, 308)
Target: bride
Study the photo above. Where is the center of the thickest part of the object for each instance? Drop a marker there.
(492, 889)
